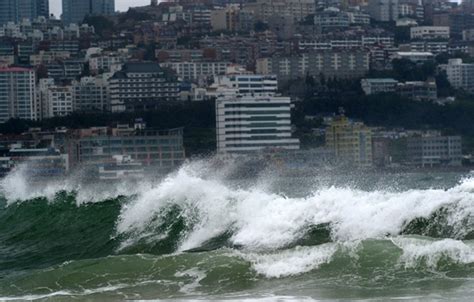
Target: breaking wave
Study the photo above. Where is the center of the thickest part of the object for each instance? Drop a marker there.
(201, 224)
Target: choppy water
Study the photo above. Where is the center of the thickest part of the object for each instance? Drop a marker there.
(198, 235)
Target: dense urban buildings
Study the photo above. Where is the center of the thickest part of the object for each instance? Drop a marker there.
(260, 76)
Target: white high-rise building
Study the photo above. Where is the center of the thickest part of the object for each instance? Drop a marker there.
(17, 93)
(250, 115)
(247, 123)
(460, 75)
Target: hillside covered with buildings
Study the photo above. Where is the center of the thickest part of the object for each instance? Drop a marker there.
(362, 83)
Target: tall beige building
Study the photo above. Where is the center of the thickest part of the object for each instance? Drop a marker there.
(350, 141)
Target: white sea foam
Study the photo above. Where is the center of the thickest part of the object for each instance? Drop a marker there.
(197, 276)
(15, 187)
(417, 251)
(261, 220)
(290, 262)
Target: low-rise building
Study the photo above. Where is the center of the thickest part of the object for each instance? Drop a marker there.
(374, 86)
(195, 71)
(429, 32)
(156, 150)
(434, 47)
(435, 150)
(416, 57)
(418, 90)
(37, 164)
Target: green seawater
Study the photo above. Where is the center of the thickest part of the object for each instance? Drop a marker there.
(197, 235)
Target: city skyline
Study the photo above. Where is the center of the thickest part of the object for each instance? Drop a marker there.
(121, 5)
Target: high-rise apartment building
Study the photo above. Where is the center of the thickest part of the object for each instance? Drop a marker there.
(351, 142)
(17, 93)
(74, 11)
(17, 10)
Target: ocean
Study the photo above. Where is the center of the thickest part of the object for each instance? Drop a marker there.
(201, 233)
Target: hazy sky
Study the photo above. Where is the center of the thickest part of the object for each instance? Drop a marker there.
(55, 5)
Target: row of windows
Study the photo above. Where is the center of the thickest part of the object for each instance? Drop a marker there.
(262, 145)
(259, 125)
(105, 142)
(254, 131)
(258, 112)
(255, 118)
